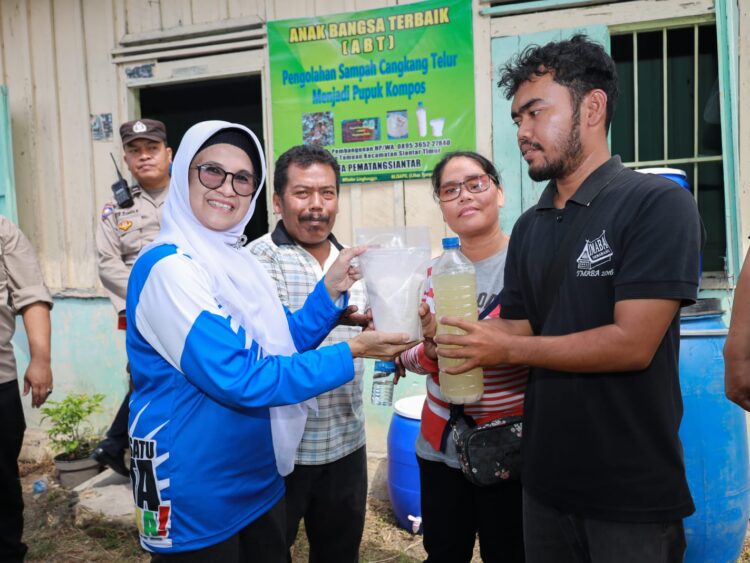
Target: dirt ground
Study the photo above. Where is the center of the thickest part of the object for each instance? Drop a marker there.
(52, 534)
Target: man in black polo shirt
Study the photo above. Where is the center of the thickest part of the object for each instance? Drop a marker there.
(604, 479)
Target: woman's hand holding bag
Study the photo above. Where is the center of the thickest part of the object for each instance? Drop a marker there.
(343, 273)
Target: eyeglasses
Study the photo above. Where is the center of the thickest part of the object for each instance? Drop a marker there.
(473, 184)
(213, 177)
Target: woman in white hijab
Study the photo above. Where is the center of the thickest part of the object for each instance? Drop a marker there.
(211, 349)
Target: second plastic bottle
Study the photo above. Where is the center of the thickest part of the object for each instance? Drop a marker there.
(421, 119)
(455, 287)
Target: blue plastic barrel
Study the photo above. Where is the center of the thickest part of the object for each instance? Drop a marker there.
(403, 471)
(675, 174)
(714, 438)
(680, 178)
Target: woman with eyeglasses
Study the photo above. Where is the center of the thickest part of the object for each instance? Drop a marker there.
(468, 190)
(211, 349)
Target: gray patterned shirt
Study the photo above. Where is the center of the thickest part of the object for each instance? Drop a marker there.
(338, 428)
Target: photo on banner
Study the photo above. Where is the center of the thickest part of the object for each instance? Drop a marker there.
(388, 91)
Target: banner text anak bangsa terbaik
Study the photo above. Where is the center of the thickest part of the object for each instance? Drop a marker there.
(387, 91)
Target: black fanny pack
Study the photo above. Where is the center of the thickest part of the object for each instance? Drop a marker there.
(489, 453)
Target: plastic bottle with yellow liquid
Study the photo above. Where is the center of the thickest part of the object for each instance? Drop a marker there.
(454, 284)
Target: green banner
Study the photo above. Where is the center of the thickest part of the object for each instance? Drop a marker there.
(387, 91)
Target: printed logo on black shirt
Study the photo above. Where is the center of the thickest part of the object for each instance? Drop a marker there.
(595, 253)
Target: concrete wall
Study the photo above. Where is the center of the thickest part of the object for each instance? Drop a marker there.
(88, 355)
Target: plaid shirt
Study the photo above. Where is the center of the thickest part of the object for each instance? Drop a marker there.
(338, 428)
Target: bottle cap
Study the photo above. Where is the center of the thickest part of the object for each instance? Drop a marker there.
(381, 365)
(451, 242)
(420, 105)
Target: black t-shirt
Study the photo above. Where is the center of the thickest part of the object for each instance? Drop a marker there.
(606, 445)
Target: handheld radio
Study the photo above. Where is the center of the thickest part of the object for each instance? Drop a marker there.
(120, 189)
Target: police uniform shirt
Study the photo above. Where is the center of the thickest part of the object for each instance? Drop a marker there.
(606, 445)
(121, 235)
(21, 284)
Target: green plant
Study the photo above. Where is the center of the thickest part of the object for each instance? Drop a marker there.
(71, 433)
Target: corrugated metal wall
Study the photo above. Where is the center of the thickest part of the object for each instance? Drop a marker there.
(55, 62)
(148, 15)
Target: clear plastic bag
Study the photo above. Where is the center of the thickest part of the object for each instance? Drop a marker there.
(394, 269)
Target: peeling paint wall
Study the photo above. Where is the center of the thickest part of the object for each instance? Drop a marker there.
(88, 355)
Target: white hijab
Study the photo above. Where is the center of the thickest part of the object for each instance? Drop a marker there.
(240, 284)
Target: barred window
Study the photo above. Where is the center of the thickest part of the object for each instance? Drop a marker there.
(668, 115)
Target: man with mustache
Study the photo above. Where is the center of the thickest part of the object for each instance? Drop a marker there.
(328, 487)
(121, 234)
(603, 476)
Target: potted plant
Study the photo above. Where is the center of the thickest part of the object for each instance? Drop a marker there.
(71, 434)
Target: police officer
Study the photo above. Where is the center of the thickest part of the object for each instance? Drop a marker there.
(122, 232)
(22, 291)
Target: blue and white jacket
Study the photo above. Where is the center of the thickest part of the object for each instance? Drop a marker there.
(203, 463)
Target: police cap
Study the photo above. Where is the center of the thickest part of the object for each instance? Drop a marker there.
(150, 129)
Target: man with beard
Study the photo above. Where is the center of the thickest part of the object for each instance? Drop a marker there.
(328, 487)
(603, 477)
(121, 234)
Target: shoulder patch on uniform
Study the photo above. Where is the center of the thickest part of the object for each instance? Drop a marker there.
(107, 210)
(125, 225)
